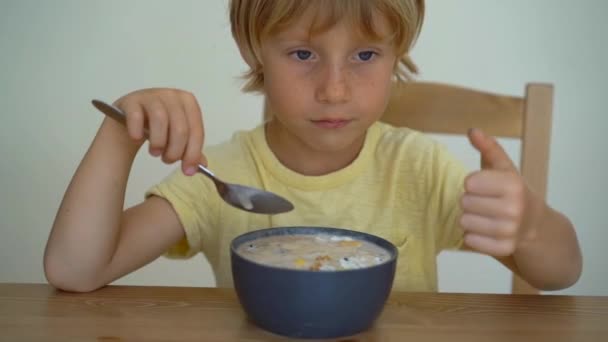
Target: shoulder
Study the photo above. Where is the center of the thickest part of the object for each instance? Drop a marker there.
(405, 143)
(415, 152)
(230, 147)
(233, 153)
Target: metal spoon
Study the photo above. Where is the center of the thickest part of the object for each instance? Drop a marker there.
(239, 196)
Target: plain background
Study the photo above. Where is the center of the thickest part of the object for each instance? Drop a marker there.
(58, 55)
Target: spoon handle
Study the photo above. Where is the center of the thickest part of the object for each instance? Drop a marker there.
(206, 172)
(118, 115)
(114, 113)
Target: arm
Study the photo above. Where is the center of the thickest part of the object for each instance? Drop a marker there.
(550, 257)
(92, 241)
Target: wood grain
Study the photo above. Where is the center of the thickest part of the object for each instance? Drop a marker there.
(36, 312)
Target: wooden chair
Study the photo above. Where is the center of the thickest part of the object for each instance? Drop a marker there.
(448, 109)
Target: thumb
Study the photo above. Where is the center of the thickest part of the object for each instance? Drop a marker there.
(493, 156)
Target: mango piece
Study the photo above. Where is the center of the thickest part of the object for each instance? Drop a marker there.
(300, 262)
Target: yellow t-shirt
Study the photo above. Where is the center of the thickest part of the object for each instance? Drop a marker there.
(403, 187)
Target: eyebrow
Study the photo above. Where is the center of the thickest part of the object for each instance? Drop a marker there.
(302, 36)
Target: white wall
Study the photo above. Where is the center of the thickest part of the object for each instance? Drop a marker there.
(56, 56)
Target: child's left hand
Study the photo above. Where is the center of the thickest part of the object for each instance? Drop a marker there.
(497, 203)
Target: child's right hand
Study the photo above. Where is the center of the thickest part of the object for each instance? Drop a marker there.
(174, 121)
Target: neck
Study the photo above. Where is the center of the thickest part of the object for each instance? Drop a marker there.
(301, 158)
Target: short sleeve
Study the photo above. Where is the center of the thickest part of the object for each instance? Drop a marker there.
(190, 198)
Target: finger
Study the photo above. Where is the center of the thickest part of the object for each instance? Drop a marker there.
(491, 207)
(492, 154)
(491, 183)
(135, 120)
(158, 123)
(488, 245)
(193, 154)
(178, 130)
(485, 226)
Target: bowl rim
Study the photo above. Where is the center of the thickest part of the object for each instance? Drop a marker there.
(392, 249)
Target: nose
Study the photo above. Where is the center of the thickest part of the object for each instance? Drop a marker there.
(333, 85)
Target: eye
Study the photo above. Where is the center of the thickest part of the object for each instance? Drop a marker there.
(365, 55)
(302, 55)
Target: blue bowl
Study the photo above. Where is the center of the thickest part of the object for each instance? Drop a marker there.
(312, 304)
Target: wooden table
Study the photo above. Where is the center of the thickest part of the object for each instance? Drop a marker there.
(36, 312)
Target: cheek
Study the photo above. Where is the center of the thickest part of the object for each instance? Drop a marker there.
(375, 90)
(283, 93)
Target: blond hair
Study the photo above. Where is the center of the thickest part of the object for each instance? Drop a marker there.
(251, 20)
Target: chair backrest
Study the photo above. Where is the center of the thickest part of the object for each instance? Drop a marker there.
(448, 109)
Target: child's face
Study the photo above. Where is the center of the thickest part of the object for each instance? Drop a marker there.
(325, 90)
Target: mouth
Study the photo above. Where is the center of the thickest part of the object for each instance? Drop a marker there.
(331, 123)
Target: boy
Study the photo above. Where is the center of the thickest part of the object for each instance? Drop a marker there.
(326, 69)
